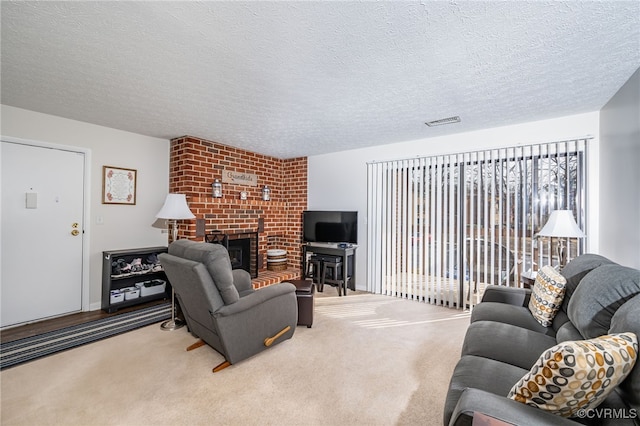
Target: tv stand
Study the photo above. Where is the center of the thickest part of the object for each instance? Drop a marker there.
(348, 255)
(327, 245)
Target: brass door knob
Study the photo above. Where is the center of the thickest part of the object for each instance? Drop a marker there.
(75, 232)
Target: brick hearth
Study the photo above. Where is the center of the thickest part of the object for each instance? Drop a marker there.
(195, 163)
(266, 278)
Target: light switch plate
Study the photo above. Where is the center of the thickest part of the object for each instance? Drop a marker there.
(31, 200)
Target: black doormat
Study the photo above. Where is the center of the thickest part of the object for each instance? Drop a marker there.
(30, 348)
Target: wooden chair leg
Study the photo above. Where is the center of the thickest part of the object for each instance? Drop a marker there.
(335, 279)
(269, 340)
(221, 366)
(196, 345)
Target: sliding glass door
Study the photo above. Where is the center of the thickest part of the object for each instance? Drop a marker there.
(441, 228)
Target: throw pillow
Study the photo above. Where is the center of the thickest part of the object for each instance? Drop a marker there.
(547, 294)
(577, 375)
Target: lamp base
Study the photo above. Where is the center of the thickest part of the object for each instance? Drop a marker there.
(175, 322)
(562, 254)
(172, 324)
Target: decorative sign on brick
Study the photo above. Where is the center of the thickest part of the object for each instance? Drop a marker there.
(239, 178)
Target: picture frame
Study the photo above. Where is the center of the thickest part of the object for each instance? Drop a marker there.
(119, 185)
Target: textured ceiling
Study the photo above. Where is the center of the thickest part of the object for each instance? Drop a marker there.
(293, 79)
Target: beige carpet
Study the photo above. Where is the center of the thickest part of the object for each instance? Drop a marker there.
(367, 360)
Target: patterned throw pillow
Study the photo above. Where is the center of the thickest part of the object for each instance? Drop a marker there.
(577, 375)
(547, 295)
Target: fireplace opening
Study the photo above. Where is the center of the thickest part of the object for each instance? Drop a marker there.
(240, 253)
(242, 248)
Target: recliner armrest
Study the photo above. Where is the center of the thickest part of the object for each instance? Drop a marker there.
(256, 298)
(242, 282)
(509, 295)
(501, 408)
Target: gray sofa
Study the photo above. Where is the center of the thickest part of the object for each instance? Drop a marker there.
(220, 305)
(504, 341)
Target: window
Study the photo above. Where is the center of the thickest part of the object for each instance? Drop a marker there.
(441, 228)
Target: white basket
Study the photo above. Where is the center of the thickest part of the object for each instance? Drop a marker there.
(147, 289)
(116, 297)
(131, 294)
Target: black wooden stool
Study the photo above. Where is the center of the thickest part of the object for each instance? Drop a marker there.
(313, 270)
(333, 266)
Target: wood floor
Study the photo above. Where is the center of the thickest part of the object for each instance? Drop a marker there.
(29, 330)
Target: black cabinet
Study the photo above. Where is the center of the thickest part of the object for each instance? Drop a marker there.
(131, 277)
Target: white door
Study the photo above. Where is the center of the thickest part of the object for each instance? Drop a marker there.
(41, 229)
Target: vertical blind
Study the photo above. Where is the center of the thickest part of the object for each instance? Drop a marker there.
(440, 228)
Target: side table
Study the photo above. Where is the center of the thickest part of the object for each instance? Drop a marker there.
(527, 282)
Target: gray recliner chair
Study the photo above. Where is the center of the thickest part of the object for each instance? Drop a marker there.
(220, 305)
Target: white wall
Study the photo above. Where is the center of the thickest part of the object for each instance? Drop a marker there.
(620, 175)
(335, 181)
(338, 181)
(123, 226)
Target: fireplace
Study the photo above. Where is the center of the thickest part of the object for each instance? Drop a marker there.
(242, 248)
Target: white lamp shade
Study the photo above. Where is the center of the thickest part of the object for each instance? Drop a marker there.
(175, 207)
(561, 224)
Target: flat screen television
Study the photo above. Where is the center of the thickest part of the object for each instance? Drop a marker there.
(330, 226)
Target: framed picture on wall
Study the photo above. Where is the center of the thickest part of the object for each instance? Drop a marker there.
(118, 185)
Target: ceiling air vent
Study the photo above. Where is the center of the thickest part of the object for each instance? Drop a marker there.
(442, 121)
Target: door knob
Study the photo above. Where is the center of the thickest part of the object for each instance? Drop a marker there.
(75, 232)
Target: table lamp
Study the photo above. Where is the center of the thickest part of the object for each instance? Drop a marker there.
(561, 225)
(175, 208)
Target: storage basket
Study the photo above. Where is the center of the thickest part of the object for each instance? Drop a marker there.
(276, 260)
(149, 288)
(131, 293)
(277, 266)
(115, 296)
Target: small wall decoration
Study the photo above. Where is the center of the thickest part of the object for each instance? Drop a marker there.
(118, 185)
(239, 178)
(266, 193)
(216, 189)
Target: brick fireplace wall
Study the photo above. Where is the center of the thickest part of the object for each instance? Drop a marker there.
(195, 163)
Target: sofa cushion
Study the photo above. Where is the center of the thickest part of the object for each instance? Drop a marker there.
(577, 375)
(560, 320)
(509, 295)
(599, 295)
(547, 295)
(568, 332)
(216, 259)
(519, 316)
(506, 343)
(576, 269)
(627, 318)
